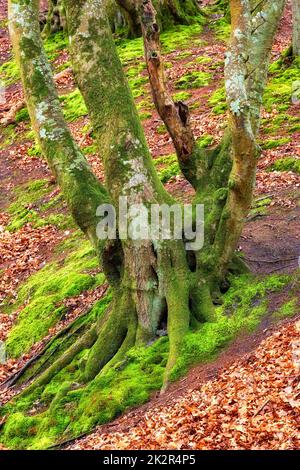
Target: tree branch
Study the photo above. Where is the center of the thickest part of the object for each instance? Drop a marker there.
(175, 115)
(244, 149)
(81, 188)
(264, 21)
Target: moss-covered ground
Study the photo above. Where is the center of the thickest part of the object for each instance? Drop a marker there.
(66, 408)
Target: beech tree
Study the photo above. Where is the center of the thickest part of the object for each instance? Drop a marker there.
(151, 280)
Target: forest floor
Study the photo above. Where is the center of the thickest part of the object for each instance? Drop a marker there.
(248, 397)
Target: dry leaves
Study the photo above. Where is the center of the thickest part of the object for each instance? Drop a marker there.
(254, 404)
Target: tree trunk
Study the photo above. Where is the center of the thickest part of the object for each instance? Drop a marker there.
(169, 12)
(56, 19)
(151, 278)
(296, 27)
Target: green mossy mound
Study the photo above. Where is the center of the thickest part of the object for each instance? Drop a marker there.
(193, 80)
(287, 164)
(32, 205)
(44, 293)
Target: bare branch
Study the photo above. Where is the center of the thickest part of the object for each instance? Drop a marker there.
(175, 115)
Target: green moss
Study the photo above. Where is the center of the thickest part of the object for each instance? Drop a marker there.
(68, 410)
(135, 70)
(34, 151)
(90, 149)
(130, 50)
(205, 140)
(73, 106)
(274, 143)
(287, 164)
(176, 38)
(44, 292)
(203, 60)
(3, 23)
(181, 96)
(145, 115)
(244, 306)
(22, 115)
(222, 29)
(19, 428)
(193, 80)
(167, 167)
(260, 207)
(279, 89)
(218, 101)
(55, 43)
(145, 104)
(179, 37)
(161, 129)
(30, 207)
(182, 55)
(288, 309)
(8, 136)
(282, 120)
(21, 210)
(9, 72)
(137, 85)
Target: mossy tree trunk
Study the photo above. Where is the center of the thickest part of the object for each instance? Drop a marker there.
(56, 18)
(152, 280)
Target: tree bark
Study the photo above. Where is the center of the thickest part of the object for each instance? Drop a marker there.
(56, 19)
(296, 27)
(10, 117)
(168, 12)
(150, 278)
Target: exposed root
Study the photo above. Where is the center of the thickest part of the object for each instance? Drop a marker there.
(14, 379)
(86, 341)
(112, 333)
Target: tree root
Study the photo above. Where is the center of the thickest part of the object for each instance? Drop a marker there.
(86, 341)
(116, 334)
(12, 380)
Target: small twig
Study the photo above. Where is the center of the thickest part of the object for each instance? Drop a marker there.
(261, 407)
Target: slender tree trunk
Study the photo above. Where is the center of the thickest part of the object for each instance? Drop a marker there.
(296, 27)
(150, 278)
